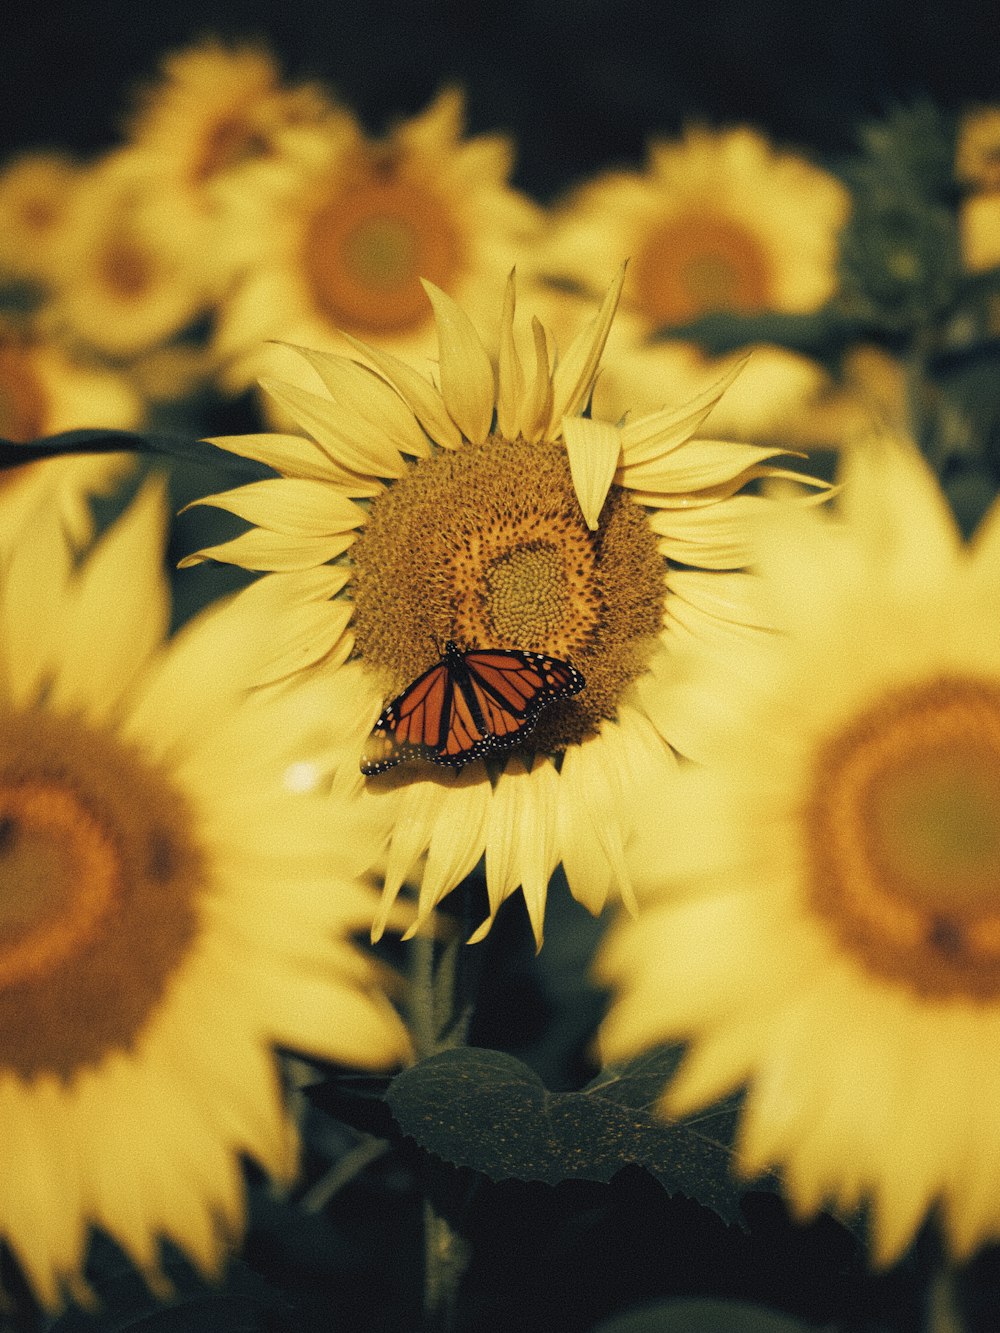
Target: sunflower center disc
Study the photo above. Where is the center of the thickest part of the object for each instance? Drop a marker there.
(126, 268)
(99, 881)
(22, 397)
(486, 545)
(367, 247)
(691, 266)
(906, 837)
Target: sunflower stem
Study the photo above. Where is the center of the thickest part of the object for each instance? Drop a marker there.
(942, 1307)
(434, 983)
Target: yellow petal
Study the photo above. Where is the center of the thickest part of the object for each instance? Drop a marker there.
(575, 374)
(594, 449)
(717, 537)
(295, 456)
(467, 384)
(35, 573)
(117, 615)
(306, 635)
(368, 452)
(290, 505)
(422, 398)
(699, 465)
(536, 407)
(892, 501)
(510, 376)
(262, 550)
(363, 395)
(650, 437)
(457, 842)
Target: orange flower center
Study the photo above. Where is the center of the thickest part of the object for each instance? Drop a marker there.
(369, 245)
(126, 268)
(694, 264)
(905, 845)
(228, 142)
(100, 877)
(23, 398)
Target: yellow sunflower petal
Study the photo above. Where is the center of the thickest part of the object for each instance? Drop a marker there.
(594, 449)
(510, 376)
(363, 395)
(574, 376)
(262, 550)
(536, 406)
(365, 452)
(424, 400)
(467, 383)
(702, 464)
(292, 505)
(295, 456)
(103, 653)
(646, 439)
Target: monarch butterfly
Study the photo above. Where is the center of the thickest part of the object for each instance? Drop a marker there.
(470, 703)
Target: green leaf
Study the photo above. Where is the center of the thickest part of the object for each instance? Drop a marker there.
(486, 1110)
(174, 447)
(701, 1316)
(821, 334)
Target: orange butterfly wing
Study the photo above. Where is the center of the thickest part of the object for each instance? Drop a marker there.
(467, 705)
(411, 726)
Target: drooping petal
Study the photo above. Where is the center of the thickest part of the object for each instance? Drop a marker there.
(594, 449)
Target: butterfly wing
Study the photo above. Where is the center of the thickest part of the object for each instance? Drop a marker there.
(511, 686)
(467, 705)
(413, 725)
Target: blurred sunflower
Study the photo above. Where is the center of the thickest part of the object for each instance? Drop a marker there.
(127, 275)
(819, 911)
(43, 391)
(35, 189)
(977, 167)
(153, 953)
(371, 218)
(718, 221)
(217, 113)
(490, 512)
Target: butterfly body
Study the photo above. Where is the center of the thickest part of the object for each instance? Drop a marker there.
(471, 703)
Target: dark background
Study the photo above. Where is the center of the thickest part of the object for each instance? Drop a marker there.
(580, 83)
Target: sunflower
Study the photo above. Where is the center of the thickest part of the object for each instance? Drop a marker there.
(129, 276)
(35, 189)
(371, 217)
(977, 150)
(491, 512)
(717, 221)
(219, 112)
(153, 951)
(43, 391)
(819, 913)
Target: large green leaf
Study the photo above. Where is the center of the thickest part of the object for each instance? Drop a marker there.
(486, 1110)
(701, 1316)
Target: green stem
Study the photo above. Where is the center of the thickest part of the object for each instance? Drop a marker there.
(942, 1308)
(433, 999)
(446, 1258)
